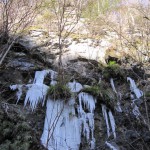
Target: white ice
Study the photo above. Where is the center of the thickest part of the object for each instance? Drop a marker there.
(135, 110)
(40, 75)
(63, 127)
(75, 86)
(62, 130)
(35, 94)
(138, 93)
(88, 101)
(134, 88)
(112, 122)
(112, 147)
(118, 107)
(106, 119)
(112, 85)
(19, 92)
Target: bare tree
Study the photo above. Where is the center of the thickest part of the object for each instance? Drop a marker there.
(15, 17)
(67, 14)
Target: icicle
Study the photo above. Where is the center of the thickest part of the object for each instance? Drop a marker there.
(118, 107)
(106, 119)
(39, 76)
(35, 94)
(112, 85)
(135, 110)
(138, 93)
(19, 92)
(74, 86)
(61, 128)
(88, 100)
(111, 146)
(134, 88)
(112, 122)
(87, 119)
(92, 144)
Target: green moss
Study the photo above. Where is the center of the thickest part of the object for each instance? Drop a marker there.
(103, 93)
(147, 94)
(59, 91)
(113, 70)
(93, 90)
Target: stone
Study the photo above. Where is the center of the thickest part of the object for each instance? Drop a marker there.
(130, 134)
(146, 136)
(21, 64)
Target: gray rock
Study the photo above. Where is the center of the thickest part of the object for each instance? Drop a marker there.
(21, 64)
(130, 134)
(146, 136)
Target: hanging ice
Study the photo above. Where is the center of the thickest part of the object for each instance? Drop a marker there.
(40, 75)
(61, 128)
(19, 92)
(112, 85)
(106, 119)
(135, 110)
(112, 121)
(134, 88)
(87, 101)
(111, 146)
(35, 94)
(118, 107)
(138, 93)
(75, 86)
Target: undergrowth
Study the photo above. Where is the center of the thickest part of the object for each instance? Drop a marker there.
(59, 91)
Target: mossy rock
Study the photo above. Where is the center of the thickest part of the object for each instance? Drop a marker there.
(104, 94)
(93, 90)
(113, 70)
(59, 91)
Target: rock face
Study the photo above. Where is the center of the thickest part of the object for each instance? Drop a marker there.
(21, 128)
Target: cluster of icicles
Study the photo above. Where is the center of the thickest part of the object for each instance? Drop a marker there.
(64, 125)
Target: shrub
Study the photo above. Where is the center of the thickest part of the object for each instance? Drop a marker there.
(93, 90)
(59, 91)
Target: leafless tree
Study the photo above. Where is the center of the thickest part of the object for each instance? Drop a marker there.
(15, 17)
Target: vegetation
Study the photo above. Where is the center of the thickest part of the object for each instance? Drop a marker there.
(59, 91)
(93, 90)
(113, 70)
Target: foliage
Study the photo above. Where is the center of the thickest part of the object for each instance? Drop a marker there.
(113, 70)
(59, 91)
(94, 90)
(103, 93)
